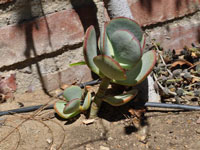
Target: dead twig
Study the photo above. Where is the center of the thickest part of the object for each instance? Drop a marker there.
(31, 117)
(15, 128)
(19, 136)
(63, 139)
(167, 91)
(162, 59)
(49, 130)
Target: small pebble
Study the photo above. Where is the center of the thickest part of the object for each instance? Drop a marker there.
(179, 91)
(197, 93)
(89, 147)
(110, 138)
(49, 141)
(177, 72)
(88, 121)
(198, 131)
(187, 75)
(172, 88)
(178, 99)
(198, 121)
(104, 148)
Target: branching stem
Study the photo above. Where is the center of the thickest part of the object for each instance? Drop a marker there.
(96, 104)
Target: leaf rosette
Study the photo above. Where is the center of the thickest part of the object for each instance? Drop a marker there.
(75, 102)
(118, 54)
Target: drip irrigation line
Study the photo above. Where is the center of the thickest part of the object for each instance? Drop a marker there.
(33, 108)
(173, 106)
(24, 110)
(93, 82)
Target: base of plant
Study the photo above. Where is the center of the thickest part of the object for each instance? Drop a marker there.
(96, 104)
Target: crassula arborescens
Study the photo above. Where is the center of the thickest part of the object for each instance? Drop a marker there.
(116, 57)
(75, 102)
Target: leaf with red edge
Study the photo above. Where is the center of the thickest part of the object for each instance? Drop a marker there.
(109, 67)
(140, 71)
(87, 101)
(72, 92)
(123, 23)
(106, 47)
(72, 106)
(59, 107)
(127, 48)
(143, 41)
(121, 99)
(90, 48)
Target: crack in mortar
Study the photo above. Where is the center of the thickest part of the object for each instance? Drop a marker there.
(161, 24)
(34, 60)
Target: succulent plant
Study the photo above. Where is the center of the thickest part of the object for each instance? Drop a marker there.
(73, 103)
(117, 57)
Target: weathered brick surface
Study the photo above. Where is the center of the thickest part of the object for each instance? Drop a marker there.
(63, 28)
(76, 74)
(178, 34)
(43, 35)
(148, 12)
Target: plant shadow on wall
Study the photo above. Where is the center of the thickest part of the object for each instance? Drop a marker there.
(26, 14)
(87, 12)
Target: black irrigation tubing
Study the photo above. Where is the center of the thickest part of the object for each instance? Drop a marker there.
(147, 104)
(173, 106)
(33, 108)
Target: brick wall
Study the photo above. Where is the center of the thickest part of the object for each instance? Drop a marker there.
(173, 23)
(39, 39)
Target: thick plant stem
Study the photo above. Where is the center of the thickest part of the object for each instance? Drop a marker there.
(96, 104)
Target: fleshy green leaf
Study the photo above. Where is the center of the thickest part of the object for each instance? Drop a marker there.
(141, 70)
(127, 49)
(123, 23)
(105, 44)
(121, 99)
(143, 41)
(87, 101)
(109, 67)
(101, 39)
(78, 63)
(59, 107)
(72, 106)
(72, 92)
(90, 48)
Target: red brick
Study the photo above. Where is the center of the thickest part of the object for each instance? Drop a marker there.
(8, 85)
(178, 35)
(148, 12)
(76, 74)
(43, 35)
